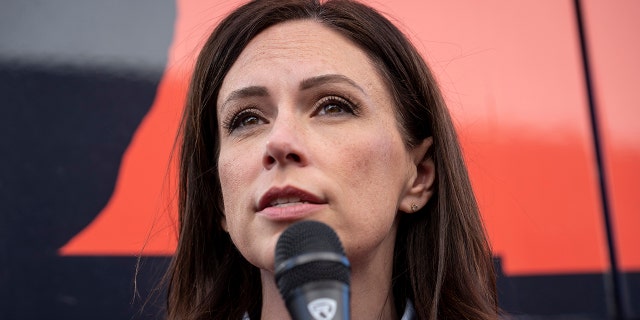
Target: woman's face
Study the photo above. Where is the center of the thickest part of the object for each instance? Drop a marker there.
(308, 131)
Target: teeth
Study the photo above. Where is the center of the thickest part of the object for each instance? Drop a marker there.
(285, 202)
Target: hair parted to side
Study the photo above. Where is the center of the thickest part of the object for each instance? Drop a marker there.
(442, 259)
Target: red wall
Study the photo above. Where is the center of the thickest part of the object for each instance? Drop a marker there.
(514, 80)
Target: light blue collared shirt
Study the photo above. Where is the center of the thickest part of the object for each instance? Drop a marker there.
(409, 313)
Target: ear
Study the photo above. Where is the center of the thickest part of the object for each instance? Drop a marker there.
(420, 185)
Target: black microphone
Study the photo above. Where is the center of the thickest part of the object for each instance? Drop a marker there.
(313, 272)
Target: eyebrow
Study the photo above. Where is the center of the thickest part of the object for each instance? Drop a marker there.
(261, 91)
(326, 79)
(246, 92)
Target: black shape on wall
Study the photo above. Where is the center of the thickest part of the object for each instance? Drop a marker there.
(76, 79)
(63, 135)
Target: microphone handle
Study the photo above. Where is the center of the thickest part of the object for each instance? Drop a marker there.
(319, 300)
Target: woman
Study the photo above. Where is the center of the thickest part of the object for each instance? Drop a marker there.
(323, 111)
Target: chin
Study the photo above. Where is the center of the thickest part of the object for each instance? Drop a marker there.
(263, 257)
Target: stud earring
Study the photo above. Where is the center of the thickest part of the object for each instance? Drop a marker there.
(414, 207)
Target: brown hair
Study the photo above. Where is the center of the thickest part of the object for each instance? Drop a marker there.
(442, 260)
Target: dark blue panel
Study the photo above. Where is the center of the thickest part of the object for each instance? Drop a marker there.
(76, 79)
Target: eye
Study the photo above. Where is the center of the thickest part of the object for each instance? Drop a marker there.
(244, 119)
(334, 105)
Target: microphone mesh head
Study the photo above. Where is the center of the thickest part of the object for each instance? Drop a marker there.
(308, 237)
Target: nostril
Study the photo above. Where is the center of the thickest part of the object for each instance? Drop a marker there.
(293, 157)
(281, 152)
(269, 160)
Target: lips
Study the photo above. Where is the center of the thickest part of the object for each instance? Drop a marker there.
(287, 197)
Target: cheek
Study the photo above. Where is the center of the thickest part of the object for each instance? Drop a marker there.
(231, 182)
(227, 171)
(376, 173)
(233, 175)
(375, 161)
(373, 182)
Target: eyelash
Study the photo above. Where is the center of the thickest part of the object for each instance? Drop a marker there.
(343, 103)
(234, 122)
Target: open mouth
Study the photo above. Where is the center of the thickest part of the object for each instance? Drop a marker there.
(287, 197)
(286, 202)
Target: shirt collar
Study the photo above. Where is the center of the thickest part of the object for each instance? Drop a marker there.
(409, 312)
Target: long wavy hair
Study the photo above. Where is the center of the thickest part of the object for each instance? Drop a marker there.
(442, 260)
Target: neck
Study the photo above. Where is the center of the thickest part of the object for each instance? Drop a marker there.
(273, 306)
(371, 292)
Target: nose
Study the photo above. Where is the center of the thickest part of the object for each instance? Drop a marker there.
(285, 145)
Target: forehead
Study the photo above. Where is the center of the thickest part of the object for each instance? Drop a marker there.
(291, 51)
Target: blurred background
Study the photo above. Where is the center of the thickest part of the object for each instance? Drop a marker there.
(544, 95)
